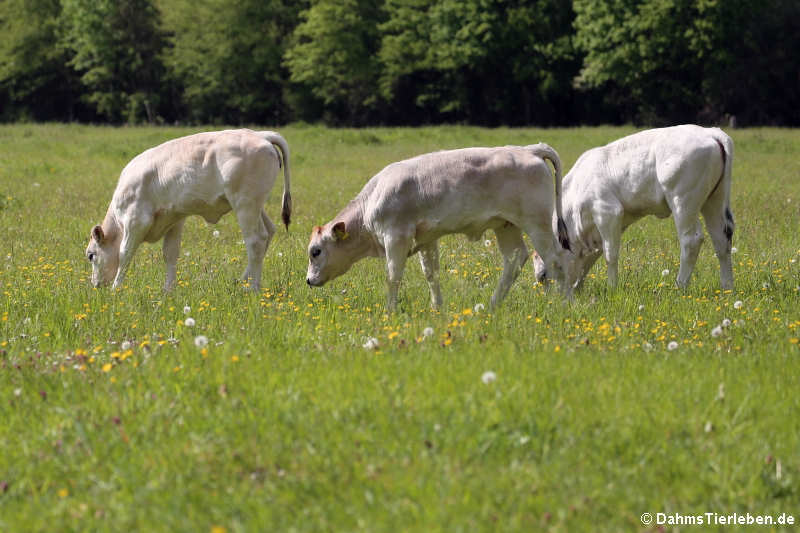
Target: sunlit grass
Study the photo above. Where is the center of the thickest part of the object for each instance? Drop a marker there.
(312, 409)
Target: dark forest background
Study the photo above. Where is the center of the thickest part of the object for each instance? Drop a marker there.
(401, 62)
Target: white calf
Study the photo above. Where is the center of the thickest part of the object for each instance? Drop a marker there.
(682, 171)
(206, 174)
(407, 206)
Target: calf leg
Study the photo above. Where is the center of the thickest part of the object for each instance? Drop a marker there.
(256, 236)
(131, 239)
(172, 248)
(396, 254)
(515, 254)
(429, 260)
(609, 225)
(690, 235)
(719, 223)
(586, 264)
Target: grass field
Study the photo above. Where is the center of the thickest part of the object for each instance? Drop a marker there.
(113, 419)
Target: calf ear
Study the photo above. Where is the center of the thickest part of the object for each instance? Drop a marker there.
(339, 231)
(97, 234)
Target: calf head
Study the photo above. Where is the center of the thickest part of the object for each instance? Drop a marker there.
(103, 253)
(556, 270)
(331, 253)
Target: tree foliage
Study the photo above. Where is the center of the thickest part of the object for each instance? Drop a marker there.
(356, 62)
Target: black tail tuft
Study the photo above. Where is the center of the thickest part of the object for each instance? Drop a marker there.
(563, 235)
(286, 212)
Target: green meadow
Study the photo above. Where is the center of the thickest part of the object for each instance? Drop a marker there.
(115, 416)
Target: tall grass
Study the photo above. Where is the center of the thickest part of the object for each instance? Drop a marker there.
(114, 419)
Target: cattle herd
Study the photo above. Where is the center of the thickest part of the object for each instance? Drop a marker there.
(683, 171)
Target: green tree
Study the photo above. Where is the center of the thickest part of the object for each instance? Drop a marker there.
(665, 61)
(34, 74)
(334, 58)
(486, 61)
(117, 46)
(227, 56)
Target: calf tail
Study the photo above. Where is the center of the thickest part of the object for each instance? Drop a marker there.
(726, 148)
(545, 151)
(283, 148)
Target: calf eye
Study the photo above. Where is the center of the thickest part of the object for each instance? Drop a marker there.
(91, 257)
(315, 252)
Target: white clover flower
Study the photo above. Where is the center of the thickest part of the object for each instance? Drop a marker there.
(665, 272)
(726, 323)
(734, 250)
(716, 331)
(371, 344)
(215, 233)
(738, 304)
(478, 308)
(488, 377)
(189, 322)
(126, 345)
(200, 341)
(672, 346)
(427, 332)
(187, 310)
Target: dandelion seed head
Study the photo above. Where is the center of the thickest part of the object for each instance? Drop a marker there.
(726, 322)
(200, 341)
(126, 345)
(189, 322)
(734, 250)
(427, 332)
(479, 307)
(672, 346)
(641, 307)
(738, 304)
(488, 377)
(215, 233)
(487, 243)
(716, 331)
(186, 310)
(665, 272)
(18, 392)
(371, 344)
(647, 346)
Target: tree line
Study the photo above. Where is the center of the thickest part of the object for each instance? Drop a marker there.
(401, 62)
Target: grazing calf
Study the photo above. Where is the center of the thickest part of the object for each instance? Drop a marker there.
(407, 206)
(206, 174)
(681, 171)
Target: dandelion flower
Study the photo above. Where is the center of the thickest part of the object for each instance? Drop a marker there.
(189, 322)
(726, 323)
(488, 377)
(672, 346)
(427, 332)
(716, 331)
(665, 272)
(371, 344)
(126, 345)
(200, 341)
(215, 233)
(479, 307)
(738, 304)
